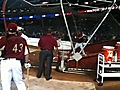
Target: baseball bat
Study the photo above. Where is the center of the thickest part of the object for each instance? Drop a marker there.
(28, 85)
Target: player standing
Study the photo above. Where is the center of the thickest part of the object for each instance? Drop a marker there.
(15, 50)
(20, 33)
(47, 44)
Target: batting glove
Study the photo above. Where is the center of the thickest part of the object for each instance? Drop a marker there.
(27, 65)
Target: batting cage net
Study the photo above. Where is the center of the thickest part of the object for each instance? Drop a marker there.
(35, 19)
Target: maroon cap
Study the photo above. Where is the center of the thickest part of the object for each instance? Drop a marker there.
(12, 27)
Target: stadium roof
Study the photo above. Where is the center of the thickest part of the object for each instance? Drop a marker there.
(30, 7)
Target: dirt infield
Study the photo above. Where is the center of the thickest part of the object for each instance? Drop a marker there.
(53, 84)
(42, 84)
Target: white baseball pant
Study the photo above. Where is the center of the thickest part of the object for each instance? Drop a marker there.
(81, 46)
(11, 68)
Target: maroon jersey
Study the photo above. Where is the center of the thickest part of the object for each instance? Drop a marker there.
(80, 38)
(14, 46)
(47, 42)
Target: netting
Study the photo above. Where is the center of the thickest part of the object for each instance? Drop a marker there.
(87, 22)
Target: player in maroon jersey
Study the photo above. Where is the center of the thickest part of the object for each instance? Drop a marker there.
(80, 41)
(15, 50)
(47, 44)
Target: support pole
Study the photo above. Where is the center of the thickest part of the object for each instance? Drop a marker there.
(4, 9)
(28, 84)
(67, 25)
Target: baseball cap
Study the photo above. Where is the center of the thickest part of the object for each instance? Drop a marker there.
(12, 27)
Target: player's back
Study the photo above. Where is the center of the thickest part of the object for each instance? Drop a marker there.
(47, 42)
(15, 47)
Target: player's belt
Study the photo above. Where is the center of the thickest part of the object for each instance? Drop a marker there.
(11, 59)
(46, 49)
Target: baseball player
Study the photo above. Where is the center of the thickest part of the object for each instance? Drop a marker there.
(20, 33)
(15, 50)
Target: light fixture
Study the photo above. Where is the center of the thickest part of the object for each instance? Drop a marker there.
(100, 0)
(86, 2)
(105, 1)
(94, 1)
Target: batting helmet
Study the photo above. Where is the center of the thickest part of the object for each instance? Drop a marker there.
(12, 27)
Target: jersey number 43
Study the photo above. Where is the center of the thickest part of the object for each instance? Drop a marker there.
(17, 48)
